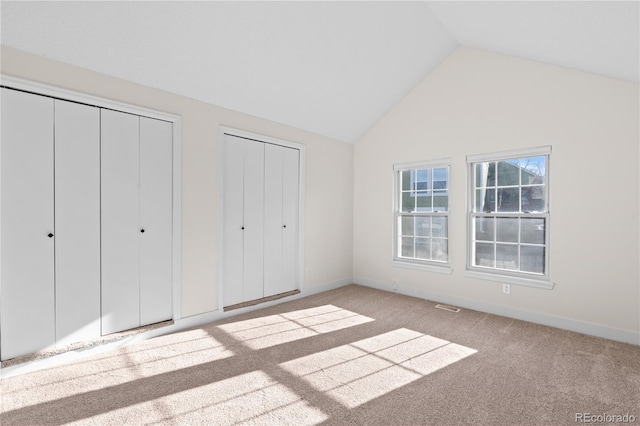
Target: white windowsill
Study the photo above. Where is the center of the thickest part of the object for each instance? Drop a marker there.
(543, 283)
(444, 269)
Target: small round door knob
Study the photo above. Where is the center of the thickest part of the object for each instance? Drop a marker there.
(142, 230)
(243, 227)
(284, 226)
(49, 235)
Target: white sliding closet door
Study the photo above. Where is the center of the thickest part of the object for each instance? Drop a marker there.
(290, 218)
(260, 219)
(27, 302)
(253, 268)
(77, 222)
(233, 217)
(273, 224)
(281, 219)
(86, 222)
(120, 221)
(156, 198)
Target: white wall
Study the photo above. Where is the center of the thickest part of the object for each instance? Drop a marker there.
(481, 102)
(329, 177)
(475, 102)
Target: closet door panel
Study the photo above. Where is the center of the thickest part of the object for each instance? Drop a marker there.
(290, 218)
(156, 200)
(27, 302)
(77, 216)
(253, 220)
(273, 224)
(233, 219)
(120, 221)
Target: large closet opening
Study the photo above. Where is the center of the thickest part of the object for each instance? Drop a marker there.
(262, 221)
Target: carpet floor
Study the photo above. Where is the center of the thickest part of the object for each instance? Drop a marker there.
(353, 355)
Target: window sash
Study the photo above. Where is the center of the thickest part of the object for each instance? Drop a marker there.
(495, 242)
(435, 242)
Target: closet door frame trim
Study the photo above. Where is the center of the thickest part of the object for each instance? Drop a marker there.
(224, 130)
(70, 95)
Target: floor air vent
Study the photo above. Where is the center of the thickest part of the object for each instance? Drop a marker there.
(448, 308)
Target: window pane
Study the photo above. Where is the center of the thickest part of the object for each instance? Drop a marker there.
(507, 229)
(508, 173)
(440, 184)
(422, 186)
(479, 201)
(532, 259)
(408, 201)
(507, 257)
(509, 200)
(533, 199)
(534, 170)
(406, 180)
(481, 174)
(440, 201)
(407, 247)
(440, 178)
(407, 226)
(422, 248)
(484, 255)
(423, 179)
(485, 174)
(490, 174)
(484, 228)
(439, 227)
(440, 249)
(422, 226)
(486, 200)
(424, 202)
(532, 231)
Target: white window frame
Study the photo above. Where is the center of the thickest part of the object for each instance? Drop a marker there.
(410, 263)
(493, 273)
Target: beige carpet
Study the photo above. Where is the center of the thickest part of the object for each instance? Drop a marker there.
(349, 356)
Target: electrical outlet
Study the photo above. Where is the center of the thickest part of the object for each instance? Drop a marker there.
(394, 284)
(506, 288)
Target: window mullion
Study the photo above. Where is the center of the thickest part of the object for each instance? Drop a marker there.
(519, 194)
(430, 186)
(495, 234)
(415, 236)
(519, 242)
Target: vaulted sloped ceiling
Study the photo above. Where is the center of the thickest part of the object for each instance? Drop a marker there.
(333, 68)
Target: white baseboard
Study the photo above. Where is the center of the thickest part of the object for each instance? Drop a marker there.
(178, 325)
(597, 330)
(201, 319)
(332, 285)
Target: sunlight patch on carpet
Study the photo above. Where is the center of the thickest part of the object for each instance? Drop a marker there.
(148, 358)
(359, 372)
(250, 398)
(267, 331)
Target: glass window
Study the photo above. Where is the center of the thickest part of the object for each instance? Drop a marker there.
(422, 213)
(509, 214)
